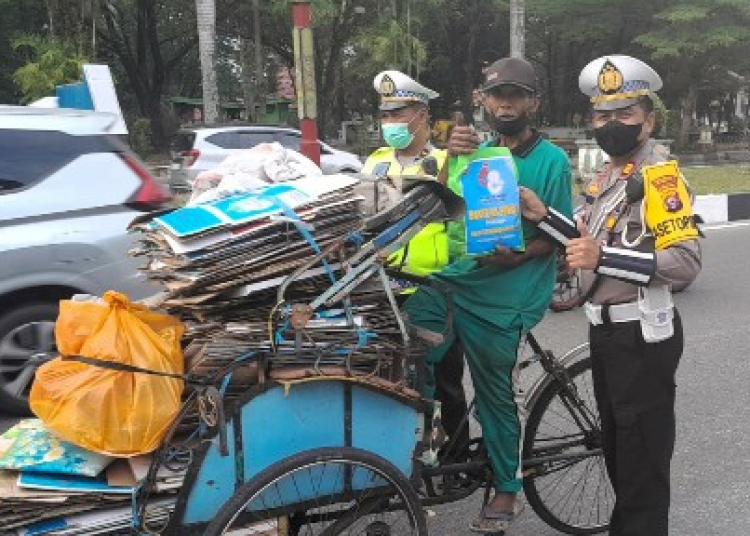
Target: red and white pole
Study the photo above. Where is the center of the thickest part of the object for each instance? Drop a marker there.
(304, 63)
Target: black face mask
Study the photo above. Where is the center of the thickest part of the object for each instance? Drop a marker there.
(508, 128)
(618, 139)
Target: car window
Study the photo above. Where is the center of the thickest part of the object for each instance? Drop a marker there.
(28, 156)
(289, 140)
(239, 139)
(323, 150)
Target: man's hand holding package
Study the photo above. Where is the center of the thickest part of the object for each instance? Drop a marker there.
(464, 139)
(504, 257)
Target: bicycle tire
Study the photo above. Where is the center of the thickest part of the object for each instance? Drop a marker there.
(558, 489)
(401, 495)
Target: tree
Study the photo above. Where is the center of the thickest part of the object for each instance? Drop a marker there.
(50, 62)
(698, 42)
(564, 35)
(206, 16)
(335, 24)
(17, 18)
(150, 42)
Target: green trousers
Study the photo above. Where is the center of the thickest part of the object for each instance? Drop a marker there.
(492, 355)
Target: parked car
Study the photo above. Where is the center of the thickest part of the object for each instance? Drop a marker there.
(203, 148)
(68, 189)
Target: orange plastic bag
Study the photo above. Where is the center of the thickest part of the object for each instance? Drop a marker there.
(107, 411)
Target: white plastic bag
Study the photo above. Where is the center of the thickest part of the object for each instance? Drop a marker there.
(248, 169)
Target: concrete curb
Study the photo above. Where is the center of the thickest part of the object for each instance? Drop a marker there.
(722, 208)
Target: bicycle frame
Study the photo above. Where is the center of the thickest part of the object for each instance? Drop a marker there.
(479, 470)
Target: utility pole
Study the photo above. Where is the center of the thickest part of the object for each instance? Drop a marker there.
(408, 38)
(304, 66)
(517, 30)
(260, 67)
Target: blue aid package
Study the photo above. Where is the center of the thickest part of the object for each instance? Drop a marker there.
(490, 190)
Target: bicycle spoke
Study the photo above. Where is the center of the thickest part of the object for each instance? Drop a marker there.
(328, 498)
(567, 484)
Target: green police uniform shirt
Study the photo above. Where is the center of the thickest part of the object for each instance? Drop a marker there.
(512, 297)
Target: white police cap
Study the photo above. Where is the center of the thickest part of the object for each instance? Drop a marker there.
(615, 82)
(398, 90)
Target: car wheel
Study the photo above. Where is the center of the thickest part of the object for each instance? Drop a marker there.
(27, 340)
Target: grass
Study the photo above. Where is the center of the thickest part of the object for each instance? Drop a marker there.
(718, 179)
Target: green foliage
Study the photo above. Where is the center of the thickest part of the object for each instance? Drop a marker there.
(697, 27)
(15, 17)
(684, 14)
(389, 46)
(139, 137)
(50, 62)
(150, 47)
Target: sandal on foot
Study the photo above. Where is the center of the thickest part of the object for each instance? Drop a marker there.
(496, 523)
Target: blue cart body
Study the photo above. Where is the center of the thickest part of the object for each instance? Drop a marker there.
(282, 420)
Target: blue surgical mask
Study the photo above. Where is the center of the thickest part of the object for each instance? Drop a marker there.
(397, 135)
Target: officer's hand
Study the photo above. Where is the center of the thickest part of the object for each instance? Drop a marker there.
(504, 257)
(532, 207)
(464, 139)
(583, 252)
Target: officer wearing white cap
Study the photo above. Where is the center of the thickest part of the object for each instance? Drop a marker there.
(405, 127)
(636, 241)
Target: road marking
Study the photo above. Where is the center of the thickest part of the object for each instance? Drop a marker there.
(726, 225)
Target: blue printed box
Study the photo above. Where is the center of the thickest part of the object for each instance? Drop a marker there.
(490, 190)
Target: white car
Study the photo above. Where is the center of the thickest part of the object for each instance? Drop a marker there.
(68, 190)
(203, 148)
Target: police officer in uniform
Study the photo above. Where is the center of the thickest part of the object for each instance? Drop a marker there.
(628, 265)
(405, 127)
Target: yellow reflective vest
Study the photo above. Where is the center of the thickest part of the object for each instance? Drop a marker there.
(427, 251)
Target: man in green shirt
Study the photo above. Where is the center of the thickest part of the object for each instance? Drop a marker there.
(498, 298)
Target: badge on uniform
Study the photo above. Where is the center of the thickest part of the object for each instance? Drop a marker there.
(669, 209)
(627, 170)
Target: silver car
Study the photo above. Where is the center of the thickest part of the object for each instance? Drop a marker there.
(202, 148)
(67, 192)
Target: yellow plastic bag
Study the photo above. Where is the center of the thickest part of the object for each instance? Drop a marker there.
(108, 411)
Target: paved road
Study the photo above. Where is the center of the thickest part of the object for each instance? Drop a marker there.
(711, 475)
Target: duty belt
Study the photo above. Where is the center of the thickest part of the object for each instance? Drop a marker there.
(601, 314)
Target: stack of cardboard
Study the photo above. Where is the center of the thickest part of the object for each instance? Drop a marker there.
(49, 486)
(226, 268)
(229, 250)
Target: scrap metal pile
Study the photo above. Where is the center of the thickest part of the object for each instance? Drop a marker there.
(288, 277)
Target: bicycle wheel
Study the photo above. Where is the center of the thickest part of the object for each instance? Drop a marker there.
(565, 480)
(326, 491)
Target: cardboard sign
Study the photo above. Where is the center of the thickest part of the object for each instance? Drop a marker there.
(493, 216)
(669, 209)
